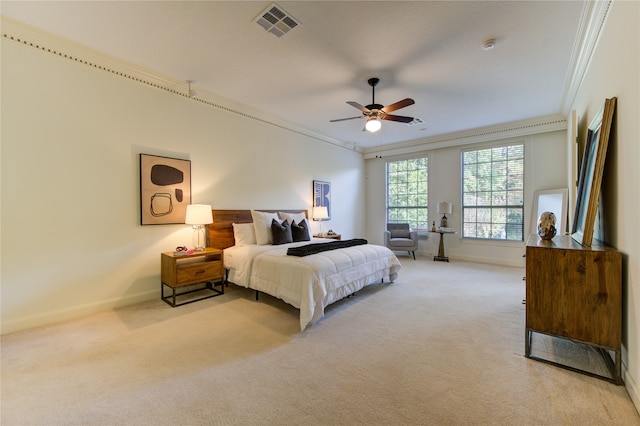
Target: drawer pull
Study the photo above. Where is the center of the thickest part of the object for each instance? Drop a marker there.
(200, 271)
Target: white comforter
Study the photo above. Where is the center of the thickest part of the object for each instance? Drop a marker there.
(309, 283)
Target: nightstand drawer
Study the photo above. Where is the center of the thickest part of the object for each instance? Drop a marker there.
(198, 272)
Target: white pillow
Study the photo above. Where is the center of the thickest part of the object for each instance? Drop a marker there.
(297, 217)
(262, 224)
(244, 234)
(289, 217)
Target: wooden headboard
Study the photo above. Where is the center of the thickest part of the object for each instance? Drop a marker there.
(220, 232)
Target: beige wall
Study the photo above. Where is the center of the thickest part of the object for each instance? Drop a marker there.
(545, 168)
(615, 72)
(71, 137)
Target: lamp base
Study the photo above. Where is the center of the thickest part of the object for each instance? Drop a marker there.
(198, 238)
(443, 221)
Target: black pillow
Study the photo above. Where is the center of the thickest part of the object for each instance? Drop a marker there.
(281, 232)
(300, 232)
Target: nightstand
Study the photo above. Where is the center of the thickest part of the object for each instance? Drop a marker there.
(202, 267)
(329, 236)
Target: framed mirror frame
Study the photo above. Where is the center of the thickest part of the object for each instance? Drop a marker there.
(552, 200)
(591, 169)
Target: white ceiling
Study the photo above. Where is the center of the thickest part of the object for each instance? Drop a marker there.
(430, 51)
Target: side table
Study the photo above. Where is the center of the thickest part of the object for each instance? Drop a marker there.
(187, 270)
(441, 256)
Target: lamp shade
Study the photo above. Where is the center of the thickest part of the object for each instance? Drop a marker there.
(320, 213)
(373, 124)
(198, 214)
(445, 208)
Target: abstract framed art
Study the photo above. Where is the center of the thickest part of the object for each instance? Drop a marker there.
(591, 171)
(165, 189)
(322, 195)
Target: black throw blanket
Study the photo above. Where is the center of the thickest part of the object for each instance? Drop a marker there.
(320, 247)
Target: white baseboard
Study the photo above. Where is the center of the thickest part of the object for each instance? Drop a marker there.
(632, 388)
(518, 263)
(48, 318)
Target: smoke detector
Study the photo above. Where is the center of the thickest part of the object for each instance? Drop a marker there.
(489, 44)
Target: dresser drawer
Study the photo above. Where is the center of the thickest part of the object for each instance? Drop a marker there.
(198, 272)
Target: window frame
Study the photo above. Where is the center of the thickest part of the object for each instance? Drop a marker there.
(420, 219)
(509, 208)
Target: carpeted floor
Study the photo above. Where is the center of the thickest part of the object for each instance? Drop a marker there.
(444, 344)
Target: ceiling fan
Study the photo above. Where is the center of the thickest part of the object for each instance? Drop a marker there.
(375, 112)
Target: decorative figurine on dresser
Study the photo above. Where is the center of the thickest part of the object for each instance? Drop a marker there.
(547, 225)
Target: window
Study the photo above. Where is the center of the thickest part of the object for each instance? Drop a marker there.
(407, 192)
(493, 193)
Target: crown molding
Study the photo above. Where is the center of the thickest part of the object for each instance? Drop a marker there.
(35, 38)
(49, 43)
(592, 21)
(514, 129)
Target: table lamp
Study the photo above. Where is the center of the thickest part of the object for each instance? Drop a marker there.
(198, 215)
(444, 208)
(320, 213)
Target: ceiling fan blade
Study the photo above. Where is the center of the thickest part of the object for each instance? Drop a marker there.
(400, 104)
(360, 107)
(399, 118)
(344, 119)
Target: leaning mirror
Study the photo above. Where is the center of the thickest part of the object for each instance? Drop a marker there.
(591, 170)
(554, 201)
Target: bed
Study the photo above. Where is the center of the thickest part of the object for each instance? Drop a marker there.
(308, 283)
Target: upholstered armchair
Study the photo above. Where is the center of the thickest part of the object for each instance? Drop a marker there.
(400, 237)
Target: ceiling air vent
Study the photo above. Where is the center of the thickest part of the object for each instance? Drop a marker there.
(276, 21)
(415, 121)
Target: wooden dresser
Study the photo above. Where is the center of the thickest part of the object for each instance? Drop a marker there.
(575, 292)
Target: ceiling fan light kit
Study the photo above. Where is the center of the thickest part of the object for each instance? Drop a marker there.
(375, 112)
(373, 124)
